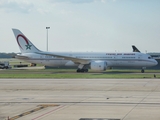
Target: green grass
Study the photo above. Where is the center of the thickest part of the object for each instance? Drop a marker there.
(70, 73)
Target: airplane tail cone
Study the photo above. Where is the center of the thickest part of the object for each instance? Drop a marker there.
(24, 44)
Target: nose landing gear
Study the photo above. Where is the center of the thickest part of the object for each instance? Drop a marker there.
(142, 70)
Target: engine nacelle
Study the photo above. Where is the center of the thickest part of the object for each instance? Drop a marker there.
(98, 65)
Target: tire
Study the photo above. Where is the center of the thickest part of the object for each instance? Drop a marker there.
(142, 71)
(86, 70)
(78, 70)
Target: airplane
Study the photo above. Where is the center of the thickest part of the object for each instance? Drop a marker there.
(83, 60)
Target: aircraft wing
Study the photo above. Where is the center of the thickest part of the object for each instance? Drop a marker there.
(72, 58)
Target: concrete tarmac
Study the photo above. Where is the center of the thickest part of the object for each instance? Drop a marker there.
(76, 99)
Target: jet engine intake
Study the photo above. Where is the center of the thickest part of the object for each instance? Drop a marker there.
(98, 65)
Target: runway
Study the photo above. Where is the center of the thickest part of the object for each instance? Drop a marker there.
(80, 99)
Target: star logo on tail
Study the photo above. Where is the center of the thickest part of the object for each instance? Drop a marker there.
(28, 46)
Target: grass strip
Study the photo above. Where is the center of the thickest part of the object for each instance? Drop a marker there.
(70, 73)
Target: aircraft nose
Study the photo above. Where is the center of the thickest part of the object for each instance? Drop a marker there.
(155, 62)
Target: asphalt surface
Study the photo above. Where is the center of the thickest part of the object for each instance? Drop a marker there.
(80, 99)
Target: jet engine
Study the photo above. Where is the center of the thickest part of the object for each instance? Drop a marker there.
(98, 65)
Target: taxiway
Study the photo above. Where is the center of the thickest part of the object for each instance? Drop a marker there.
(80, 99)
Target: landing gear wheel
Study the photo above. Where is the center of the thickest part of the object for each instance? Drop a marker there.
(142, 71)
(78, 70)
(82, 70)
(85, 70)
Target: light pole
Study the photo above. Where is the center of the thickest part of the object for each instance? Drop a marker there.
(47, 36)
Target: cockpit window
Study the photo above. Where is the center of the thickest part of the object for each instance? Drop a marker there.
(149, 57)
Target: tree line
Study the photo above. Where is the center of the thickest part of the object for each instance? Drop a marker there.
(7, 55)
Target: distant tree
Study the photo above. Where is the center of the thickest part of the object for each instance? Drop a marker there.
(7, 55)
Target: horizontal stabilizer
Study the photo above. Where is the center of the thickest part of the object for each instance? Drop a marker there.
(22, 57)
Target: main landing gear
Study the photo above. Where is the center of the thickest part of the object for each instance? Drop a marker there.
(82, 70)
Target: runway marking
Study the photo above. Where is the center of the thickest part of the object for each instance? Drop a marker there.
(141, 100)
(34, 110)
(47, 113)
(105, 103)
(98, 119)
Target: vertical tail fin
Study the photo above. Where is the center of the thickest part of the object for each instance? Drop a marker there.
(24, 44)
(135, 49)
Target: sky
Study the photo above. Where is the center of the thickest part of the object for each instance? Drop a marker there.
(82, 25)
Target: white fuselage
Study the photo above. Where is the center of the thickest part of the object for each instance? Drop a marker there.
(133, 59)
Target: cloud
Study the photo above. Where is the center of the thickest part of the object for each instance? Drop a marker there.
(15, 6)
(79, 1)
(72, 1)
